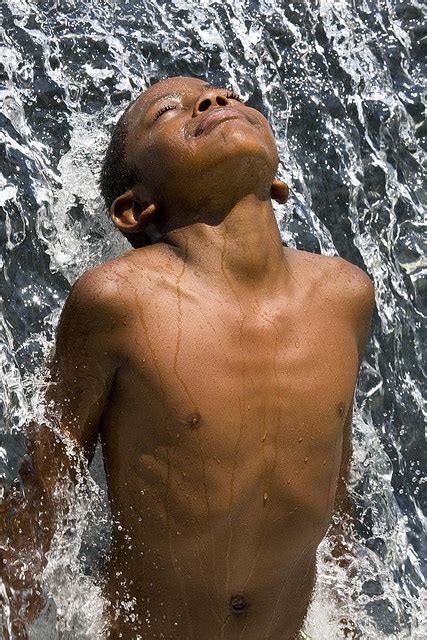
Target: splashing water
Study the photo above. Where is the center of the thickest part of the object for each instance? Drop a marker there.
(340, 83)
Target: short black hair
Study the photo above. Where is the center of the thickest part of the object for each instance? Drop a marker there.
(117, 175)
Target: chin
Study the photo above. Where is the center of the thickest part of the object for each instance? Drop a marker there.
(236, 145)
(234, 158)
(231, 158)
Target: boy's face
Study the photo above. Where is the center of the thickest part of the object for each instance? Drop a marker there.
(190, 142)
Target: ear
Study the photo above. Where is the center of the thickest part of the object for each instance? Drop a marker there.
(129, 214)
(279, 191)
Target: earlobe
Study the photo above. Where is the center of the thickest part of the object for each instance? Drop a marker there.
(279, 191)
(129, 214)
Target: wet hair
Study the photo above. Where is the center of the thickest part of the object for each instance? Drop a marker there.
(117, 175)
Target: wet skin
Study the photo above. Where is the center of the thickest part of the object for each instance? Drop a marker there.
(223, 441)
(218, 369)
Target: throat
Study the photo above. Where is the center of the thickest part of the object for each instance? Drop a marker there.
(245, 247)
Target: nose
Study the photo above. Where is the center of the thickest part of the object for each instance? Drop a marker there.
(209, 99)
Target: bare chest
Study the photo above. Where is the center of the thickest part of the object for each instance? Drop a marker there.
(267, 374)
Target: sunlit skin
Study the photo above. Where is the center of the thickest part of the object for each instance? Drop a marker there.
(218, 368)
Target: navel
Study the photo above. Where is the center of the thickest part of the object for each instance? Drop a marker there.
(238, 603)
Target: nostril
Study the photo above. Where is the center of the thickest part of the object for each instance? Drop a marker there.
(205, 104)
(221, 101)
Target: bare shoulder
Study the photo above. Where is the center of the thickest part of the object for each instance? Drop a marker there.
(341, 283)
(99, 299)
(97, 289)
(333, 276)
(350, 284)
(112, 290)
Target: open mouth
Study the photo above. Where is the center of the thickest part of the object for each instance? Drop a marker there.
(216, 116)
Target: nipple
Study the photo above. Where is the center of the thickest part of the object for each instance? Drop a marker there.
(238, 603)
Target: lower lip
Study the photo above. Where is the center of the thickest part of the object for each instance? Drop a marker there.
(212, 123)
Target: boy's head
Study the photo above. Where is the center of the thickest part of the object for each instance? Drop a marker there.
(184, 152)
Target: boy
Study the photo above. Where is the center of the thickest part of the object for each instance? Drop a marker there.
(218, 368)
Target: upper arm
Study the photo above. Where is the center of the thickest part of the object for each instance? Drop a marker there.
(81, 369)
(62, 433)
(358, 299)
(364, 303)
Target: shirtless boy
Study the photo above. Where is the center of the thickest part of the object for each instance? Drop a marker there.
(218, 369)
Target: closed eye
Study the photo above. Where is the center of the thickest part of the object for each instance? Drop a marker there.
(234, 96)
(167, 107)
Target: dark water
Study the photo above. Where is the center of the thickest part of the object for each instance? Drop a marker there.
(343, 85)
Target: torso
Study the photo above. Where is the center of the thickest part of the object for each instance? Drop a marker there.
(222, 444)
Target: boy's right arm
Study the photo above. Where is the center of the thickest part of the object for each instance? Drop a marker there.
(62, 441)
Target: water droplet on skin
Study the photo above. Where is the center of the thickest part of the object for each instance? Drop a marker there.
(305, 459)
(264, 436)
(299, 439)
(297, 344)
(192, 421)
(265, 497)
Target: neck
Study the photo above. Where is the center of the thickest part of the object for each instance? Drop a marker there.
(244, 247)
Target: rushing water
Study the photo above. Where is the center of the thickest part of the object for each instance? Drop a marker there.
(341, 83)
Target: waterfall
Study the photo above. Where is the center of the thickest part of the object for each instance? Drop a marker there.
(340, 83)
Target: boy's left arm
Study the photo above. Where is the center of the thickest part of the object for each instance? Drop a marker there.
(361, 301)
